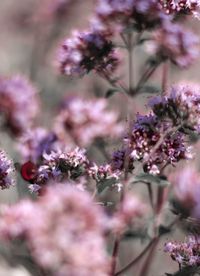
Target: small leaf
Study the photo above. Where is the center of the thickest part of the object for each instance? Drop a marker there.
(134, 234)
(188, 271)
(149, 89)
(103, 184)
(111, 92)
(164, 230)
(149, 178)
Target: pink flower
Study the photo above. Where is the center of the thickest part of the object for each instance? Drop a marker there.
(181, 6)
(7, 178)
(185, 253)
(176, 43)
(87, 51)
(64, 231)
(19, 103)
(186, 186)
(84, 121)
(140, 13)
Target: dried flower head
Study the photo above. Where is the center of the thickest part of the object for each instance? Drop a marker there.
(19, 103)
(87, 51)
(64, 231)
(83, 121)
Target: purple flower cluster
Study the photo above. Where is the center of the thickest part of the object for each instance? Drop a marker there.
(186, 253)
(183, 6)
(82, 121)
(146, 133)
(173, 41)
(64, 231)
(181, 107)
(59, 165)
(143, 13)
(105, 173)
(6, 171)
(19, 104)
(86, 51)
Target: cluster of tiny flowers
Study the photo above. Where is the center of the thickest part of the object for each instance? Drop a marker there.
(143, 13)
(86, 51)
(19, 103)
(182, 106)
(6, 171)
(183, 6)
(139, 145)
(64, 231)
(59, 166)
(173, 41)
(186, 253)
(82, 121)
(186, 186)
(103, 172)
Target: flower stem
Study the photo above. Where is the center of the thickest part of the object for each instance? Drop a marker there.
(130, 63)
(165, 71)
(132, 263)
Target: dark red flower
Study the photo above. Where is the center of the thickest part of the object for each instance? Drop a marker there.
(28, 171)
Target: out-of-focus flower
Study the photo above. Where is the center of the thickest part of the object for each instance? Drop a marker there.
(182, 106)
(140, 145)
(19, 103)
(87, 51)
(141, 13)
(173, 41)
(64, 231)
(83, 121)
(132, 208)
(186, 185)
(181, 6)
(35, 142)
(50, 9)
(185, 253)
(6, 171)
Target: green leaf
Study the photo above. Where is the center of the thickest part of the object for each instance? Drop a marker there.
(103, 184)
(149, 89)
(149, 178)
(111, 92)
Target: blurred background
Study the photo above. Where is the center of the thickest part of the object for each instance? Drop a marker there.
(30, 33)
